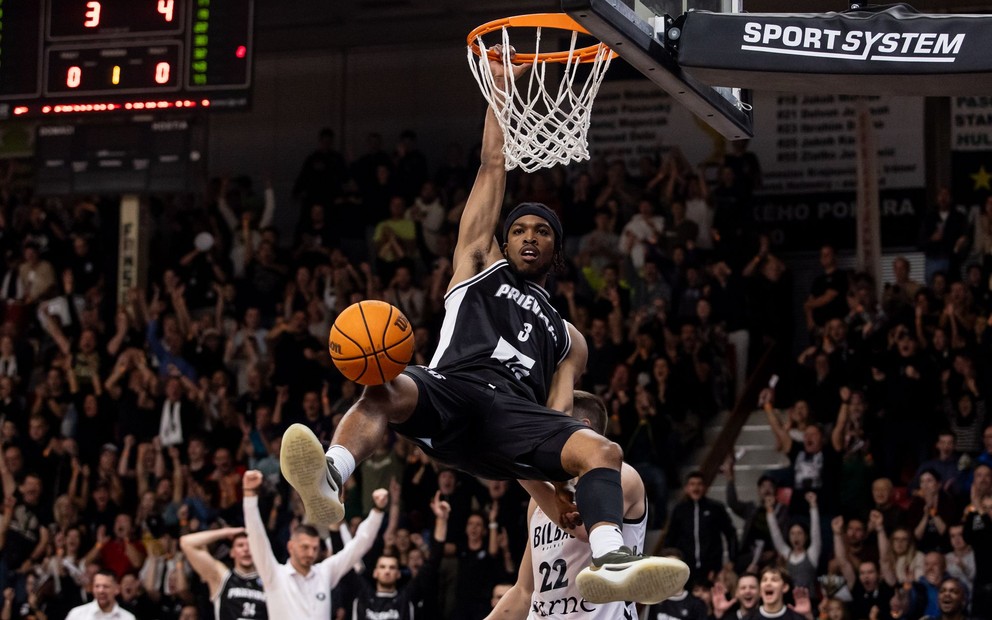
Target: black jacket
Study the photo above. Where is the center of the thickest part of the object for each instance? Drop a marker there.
(698, 530)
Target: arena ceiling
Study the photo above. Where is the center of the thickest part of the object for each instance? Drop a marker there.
(341, 24)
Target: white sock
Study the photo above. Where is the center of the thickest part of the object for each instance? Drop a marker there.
(344, 462)
(604, 539)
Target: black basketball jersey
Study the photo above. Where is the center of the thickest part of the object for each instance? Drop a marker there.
(682, 606)
(502, 329)
(383, 606)
(786, 613)
(241, 598)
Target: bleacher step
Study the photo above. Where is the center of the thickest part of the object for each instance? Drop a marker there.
(755, 453)
(750, 434)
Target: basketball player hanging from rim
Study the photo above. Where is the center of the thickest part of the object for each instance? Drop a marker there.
(491, 401)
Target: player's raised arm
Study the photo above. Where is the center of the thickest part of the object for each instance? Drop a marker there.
(568, 373)
(209, 569)
(477, 247)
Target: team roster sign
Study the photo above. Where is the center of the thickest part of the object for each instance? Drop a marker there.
(808, 143)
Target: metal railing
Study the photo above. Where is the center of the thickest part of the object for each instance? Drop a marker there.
(745, 406)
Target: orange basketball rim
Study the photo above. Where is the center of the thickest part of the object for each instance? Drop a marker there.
(558, 21)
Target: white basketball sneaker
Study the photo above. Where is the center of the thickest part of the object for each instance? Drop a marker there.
(312, 474)
(622, 575)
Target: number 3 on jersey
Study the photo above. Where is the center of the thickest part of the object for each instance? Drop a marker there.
(525, 332)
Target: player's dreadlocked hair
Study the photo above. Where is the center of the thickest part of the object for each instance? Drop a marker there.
(558, 261)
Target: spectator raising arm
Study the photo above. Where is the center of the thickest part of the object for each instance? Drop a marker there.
(123, 469)
(442, 512)
(516, 602)
(741, 508)
(342, 561)
(8, 514)
(837, 435)
(424, 583)
(7, 478)
(7, 613)
(121, 324)
(787, 552)
(783, 441)
(840, 553)
(876, 523)
(258, 541)
(183, 319)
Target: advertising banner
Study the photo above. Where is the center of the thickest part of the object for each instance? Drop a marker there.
(888, 50)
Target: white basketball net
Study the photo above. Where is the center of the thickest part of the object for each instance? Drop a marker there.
(541, 128)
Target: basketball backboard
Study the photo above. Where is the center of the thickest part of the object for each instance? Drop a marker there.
(638, 33)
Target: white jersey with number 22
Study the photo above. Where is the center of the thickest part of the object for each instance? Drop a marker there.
(557, 559)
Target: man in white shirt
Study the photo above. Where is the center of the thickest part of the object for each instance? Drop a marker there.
(301, 588)
(961, 558)
(429, 212)
(643, 234)
(174, 421)
(104, 603)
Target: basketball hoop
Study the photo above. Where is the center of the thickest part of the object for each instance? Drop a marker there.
(541, 128)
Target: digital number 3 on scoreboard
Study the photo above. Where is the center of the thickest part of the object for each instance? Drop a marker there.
(82, 19)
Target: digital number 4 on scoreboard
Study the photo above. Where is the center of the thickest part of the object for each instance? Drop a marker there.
(83, 19)
(94, 9)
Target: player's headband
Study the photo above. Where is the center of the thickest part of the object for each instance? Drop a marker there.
(538, 209)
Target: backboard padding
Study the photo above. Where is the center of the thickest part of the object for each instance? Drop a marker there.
(634, 39)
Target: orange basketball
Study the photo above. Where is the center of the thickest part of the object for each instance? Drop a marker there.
(371, 342)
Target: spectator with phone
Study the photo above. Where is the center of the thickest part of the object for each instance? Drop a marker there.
(815, 464)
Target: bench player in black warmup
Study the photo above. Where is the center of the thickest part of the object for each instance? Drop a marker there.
(236, 593)
(491, 401)
(385, 598)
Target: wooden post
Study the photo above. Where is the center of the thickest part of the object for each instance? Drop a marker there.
(132, 265)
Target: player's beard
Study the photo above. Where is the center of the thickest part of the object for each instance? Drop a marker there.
(532, 271)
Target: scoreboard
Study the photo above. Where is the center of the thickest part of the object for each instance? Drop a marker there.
(90, 56)
(136, 153)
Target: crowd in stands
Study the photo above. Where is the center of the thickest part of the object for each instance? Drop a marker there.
(886, 507)
(127, 418)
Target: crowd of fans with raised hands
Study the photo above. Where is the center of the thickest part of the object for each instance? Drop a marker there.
(128, 418)
(887, 498)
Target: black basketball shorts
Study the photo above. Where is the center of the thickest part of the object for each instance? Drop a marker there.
(471, 425)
